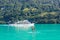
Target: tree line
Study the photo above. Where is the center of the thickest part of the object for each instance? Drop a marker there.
(37, 11)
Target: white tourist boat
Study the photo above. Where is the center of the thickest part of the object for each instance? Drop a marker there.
(24, 24)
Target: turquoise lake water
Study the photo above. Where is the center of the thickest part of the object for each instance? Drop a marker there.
(41, 32)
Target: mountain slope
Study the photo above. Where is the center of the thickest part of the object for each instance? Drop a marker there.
(37, 11)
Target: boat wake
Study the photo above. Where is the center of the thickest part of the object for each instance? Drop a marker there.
(34, 32)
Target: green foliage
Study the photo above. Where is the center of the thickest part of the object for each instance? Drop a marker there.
(37, 10)
(34, 9)
(26, 10)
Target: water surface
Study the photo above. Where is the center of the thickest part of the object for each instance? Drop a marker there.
(42, 32)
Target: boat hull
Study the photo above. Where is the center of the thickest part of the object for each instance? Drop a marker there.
(22, 25)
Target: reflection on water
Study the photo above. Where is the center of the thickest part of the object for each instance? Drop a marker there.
(12, 33)
(42, 32)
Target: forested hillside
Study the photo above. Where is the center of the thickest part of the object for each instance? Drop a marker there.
(37, 11)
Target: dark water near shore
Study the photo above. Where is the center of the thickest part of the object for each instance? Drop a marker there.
(41, 32)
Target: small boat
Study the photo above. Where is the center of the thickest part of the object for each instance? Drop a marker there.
(23, 24)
